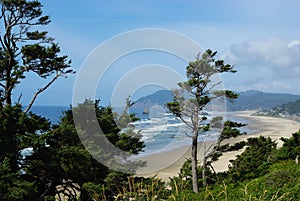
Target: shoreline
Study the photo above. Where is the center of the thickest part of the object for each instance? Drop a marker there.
(167, 164)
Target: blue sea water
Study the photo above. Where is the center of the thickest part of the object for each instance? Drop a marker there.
(53, 113)
(161, 131)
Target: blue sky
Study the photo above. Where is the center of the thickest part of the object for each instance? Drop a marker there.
(260, 37)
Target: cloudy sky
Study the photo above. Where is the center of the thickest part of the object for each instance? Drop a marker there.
(260, 37)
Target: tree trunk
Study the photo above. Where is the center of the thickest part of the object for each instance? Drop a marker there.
(8, 90)
(8, 100)
(194, 162)
(204, 165)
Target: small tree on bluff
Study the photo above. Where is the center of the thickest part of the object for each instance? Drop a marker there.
(195, 94)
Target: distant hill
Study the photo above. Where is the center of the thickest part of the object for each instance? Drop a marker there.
(248, 100)
(253, 100)
(160, 97)
(290, 110)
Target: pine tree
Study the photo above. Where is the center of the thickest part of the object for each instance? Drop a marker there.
(195, 94)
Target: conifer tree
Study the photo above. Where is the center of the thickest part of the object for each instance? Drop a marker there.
(25, 47)
(195, 94)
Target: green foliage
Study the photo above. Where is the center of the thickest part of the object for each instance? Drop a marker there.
(91, 191)
(261, 178)
(44, 61)
(291, 107)
(253, 162)
(230, 130)
(66, 159)
(290, 148)
(186, 174)
(194, 94)
(118, 134)
(140, 189)
(56, 156)
(175, 108)
(288, 110)
(135, 188)
(18, 132)
(197, 91)
(279, 181)
(184, 180)
(12, 185)
(38, 161)
(24, 49)
(279, 184)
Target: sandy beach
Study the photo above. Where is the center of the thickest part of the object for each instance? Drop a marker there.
(168, 164)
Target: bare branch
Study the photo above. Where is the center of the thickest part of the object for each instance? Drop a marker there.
(213, 86)
(213, 151)
(185, 113)
(210, 165)
(1, 41)
(188, 135)
(186, 122)
(41, 90)
(19, 99)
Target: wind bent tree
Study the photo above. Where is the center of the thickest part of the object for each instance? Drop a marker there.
(39, 160)
(230, 130)
(26, 48)
(195, 94)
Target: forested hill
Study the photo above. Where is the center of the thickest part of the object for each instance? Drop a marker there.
(160, 97)
(248, 100)
(253, 100)
(289, 110)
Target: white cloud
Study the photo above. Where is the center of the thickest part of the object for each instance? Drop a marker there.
(294, 43)
(271, 64)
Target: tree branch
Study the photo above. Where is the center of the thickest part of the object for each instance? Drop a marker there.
(188, 135)
(186, 122)
(208, 152)
(213, 169)
(41, 90)
(19, 99)
(212, 87)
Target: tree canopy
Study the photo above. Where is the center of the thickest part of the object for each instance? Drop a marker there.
(39, 160)
(25, 47)
(195, 94)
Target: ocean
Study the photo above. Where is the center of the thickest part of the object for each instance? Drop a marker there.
(161, 131)
(52, 113)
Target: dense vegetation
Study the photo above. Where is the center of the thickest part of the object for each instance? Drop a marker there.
(290, 110)
(38, 160)
(261, 172)
(58, 159)
(44, 161)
